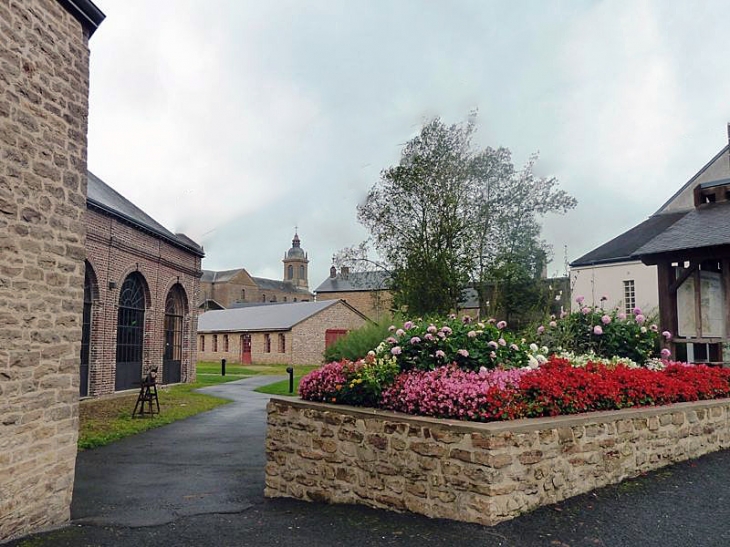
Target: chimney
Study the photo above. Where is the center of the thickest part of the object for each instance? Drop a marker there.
(333, 271)
(345, 272)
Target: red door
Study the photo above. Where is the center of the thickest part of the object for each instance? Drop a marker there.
(246, 349)
(331, 335)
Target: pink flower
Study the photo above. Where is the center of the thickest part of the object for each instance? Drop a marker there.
(667, 335)
(400, 332)
(502, 342)
(637, 311)
(441, 334)
(540, 329)
(605, 319)
(391, 340)
(597, 330)
(563, 314)
(501, 325)
(586, 310)
(492, 355)
(396, 350)
(432, 328)
(666, 353)
(580, 300)
(483, 370)
(440, 354)
(428, 336)
(514, 347)
(640, 319)
(553, 324)
(408, 325)
(415, 340)
(452, 316)
(446, 330)
(492, 344)
(654, 328)
(621, 316)
(391, 328)
(471, 334)
(463, 353)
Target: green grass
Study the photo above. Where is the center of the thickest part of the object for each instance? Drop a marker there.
(105, 420)
(282, 387)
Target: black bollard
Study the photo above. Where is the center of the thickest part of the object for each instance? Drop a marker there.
(290, 370)
(223, 367)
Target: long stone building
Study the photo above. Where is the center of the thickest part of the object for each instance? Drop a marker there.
(44, 89)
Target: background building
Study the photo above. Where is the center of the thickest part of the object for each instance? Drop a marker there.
(367, 292)
(224, 289)
(291, 333)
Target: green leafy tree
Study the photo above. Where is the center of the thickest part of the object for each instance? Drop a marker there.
(450, 214)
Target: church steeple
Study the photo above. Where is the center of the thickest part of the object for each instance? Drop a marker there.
(296, 264)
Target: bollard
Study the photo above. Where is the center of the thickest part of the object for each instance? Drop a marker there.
(223, 367)
(290, 370)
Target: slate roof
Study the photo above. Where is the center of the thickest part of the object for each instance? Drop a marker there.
(625, 246)
(275, 285)
(469, 299)
(210, 276)
(101, 195)
(706, 226)
(355, 281)
(262, 318)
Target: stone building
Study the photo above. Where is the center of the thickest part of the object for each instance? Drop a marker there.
(141, 286)
(44, 86)
(367, 292)
(225, 289)
(286, 333)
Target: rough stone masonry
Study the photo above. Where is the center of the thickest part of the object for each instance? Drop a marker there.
(44, 82)
(475, 472)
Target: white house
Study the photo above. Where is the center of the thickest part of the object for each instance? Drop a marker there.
(614, 269)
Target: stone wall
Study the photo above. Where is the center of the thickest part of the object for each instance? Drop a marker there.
(483, 473)
(44, 78)
(374, 304)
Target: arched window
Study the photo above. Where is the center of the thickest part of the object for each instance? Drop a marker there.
(282, 343)
(263, 298)
(130, 332)
(285, 299)
(267, 343)
(202, 342)
(225, 343)
(290, 272)
(301, 272)
(89, 286)
(174, 316)
(243, 295)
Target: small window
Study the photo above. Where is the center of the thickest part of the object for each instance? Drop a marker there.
(290, 272)
(215, 343)
(301, 272)
(267, 343)
(282, 343)
(295, 299)
(285, 299)
(629, 296)
(202, 342)
(225, 342)
(243, 295)
(263, 298)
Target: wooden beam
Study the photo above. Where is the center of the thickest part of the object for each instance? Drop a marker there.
(698, 303)
(667, 300)
(682, 278)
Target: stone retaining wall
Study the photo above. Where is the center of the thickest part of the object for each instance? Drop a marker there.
(483, 473)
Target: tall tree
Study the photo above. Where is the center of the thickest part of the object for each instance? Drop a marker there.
(449, 214)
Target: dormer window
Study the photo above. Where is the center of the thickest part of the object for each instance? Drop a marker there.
(712, 192)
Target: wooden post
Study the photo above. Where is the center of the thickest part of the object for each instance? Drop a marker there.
(667, 301)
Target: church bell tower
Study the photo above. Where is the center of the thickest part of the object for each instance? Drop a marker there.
(296, 265)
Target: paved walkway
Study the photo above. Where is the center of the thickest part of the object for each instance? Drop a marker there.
(199, 482)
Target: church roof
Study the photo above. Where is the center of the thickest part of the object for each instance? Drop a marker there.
(276, 285)
(355, 281)
(101, 195)
(210, 276)
(279, 317)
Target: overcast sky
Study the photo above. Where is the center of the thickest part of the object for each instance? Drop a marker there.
(235, 121)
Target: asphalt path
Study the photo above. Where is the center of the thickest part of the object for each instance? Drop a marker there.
(199, 482)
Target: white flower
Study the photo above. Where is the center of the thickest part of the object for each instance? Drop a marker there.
(533, 347)
(532, 362)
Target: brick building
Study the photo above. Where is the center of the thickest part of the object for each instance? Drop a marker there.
(225, 289)
(291, 333)
(44, 88)
(141, 287)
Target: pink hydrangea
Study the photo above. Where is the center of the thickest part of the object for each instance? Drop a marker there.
(396, 350)
(667, 335)
(654, 328)
(400, 332)
(621, 316)
(640, 319)
(665, 353)
(501, 325)
(540, 329)
(446, 330)
(597, 330)
(408, 325)
(637, 311)
(391, 340)
(492, 344)
(415, 340)
(586, 310)
(553, 324)
(431, 328)
(514, 347)
(502, 342)
(440, 354)
(472, 334)
(606, 319)
(391, 328)
(580, 300)
(463, 352)
(428, 336)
